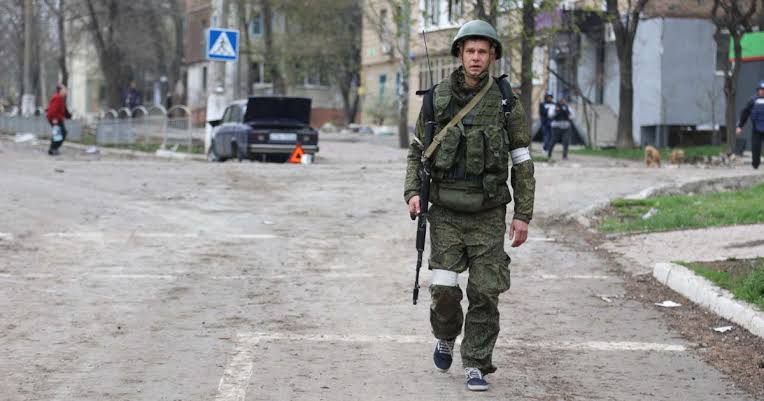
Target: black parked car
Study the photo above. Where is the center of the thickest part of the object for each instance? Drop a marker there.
(263, 128)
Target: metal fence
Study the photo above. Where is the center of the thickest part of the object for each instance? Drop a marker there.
(38, 125)
(148, 125)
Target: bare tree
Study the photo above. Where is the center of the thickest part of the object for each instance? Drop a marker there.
(625, 27)
(736, 17)
(528, 44)
(400, 40)
(58, 8)
(276, 75)
(487, 10)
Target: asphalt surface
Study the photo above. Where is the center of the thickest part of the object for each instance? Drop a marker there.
(146, 279)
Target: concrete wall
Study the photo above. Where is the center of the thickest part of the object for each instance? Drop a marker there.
(689, 80)
(675, 82)
(648, 75)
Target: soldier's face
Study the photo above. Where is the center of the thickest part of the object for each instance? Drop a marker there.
(476, 56)
(760, 92)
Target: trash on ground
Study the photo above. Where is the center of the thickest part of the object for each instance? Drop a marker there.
(21, 137)
(650, 213)
(606, 299)
(723, 329)
(268, 222)
(92, 150)
(58, 170)
(668, 304)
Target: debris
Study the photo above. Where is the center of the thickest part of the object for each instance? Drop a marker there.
(668, 304)
(606, 299)
(268, 222)
(723, 329)
(92, 150)
(21, 137)
(650, 213)
(58, 170)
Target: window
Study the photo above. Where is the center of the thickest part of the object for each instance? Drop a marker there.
(722, 52)
(382, 83)
(455, 10)
(256, 24)
(235, 114)
(256, 73)
(383, 23)
(431, 14)
(227, 115)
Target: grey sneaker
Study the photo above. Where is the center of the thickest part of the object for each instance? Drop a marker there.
(443, 354)
(475, 381)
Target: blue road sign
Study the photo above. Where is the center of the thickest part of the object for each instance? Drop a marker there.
(222, 44)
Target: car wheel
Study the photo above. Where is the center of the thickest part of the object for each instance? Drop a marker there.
(213, 157)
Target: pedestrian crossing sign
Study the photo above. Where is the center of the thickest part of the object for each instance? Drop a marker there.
(222, 44)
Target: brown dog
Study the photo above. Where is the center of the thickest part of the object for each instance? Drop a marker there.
(652, 156)
(676, 156)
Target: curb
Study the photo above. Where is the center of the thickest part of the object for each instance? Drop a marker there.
(708, 295)
(161, 154)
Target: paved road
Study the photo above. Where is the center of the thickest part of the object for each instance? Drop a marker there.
(165, 280)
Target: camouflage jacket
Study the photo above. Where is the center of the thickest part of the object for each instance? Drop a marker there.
(522, 172)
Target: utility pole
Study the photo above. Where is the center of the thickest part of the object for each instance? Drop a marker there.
(216, 99)
(27, 100)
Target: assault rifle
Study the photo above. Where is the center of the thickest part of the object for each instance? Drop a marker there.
(425, 174)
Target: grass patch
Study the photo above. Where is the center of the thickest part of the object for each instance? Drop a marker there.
(540, 159)
(744, 278)
(686, 211)
(690, 153)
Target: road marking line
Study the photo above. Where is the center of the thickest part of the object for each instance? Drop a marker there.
(238, 371)
(574, 277)
(100, 236)
(541, 239)
(503, 343)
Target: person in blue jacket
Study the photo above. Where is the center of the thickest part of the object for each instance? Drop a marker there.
(755, 110)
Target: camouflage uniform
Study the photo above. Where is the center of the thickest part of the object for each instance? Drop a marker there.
(469, 194)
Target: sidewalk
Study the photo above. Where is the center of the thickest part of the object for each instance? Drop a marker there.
(706, 244)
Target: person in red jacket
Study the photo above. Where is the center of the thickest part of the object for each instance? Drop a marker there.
(57, 113)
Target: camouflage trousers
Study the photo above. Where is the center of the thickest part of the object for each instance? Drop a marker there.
(474, 242)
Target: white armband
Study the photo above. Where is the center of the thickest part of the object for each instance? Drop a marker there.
(445, 278)
(520, 155)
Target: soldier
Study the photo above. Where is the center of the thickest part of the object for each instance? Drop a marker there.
(754, 109)
(469, 196)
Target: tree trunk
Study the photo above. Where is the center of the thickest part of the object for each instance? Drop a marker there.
(730, 90)
(405, 67)
(526, 69)
(277, 78)
(176, 62)
(625, 137)
(61, 23)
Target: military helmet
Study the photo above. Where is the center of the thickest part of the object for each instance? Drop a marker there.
(473, 29)
(761, 85)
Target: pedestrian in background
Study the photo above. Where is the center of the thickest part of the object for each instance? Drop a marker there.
(561, 116)
(546, 127)
(755, 110)
(132, 97)
(57, 113)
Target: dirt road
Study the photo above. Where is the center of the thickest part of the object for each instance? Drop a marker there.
(145, 279)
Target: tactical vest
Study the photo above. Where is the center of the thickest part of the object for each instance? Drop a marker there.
(757, 114)
(471, 166)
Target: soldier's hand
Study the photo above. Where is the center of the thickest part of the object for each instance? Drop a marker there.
(414, 206)
(518, 232)
(738, 131)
